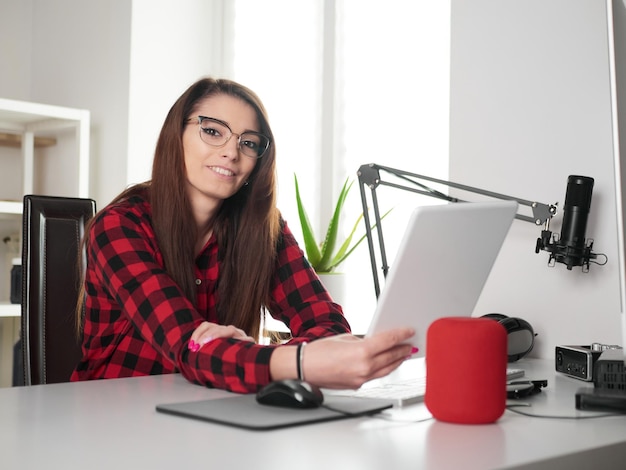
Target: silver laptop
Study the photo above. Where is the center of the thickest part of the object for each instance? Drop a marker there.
(442, 264)
(440, 269)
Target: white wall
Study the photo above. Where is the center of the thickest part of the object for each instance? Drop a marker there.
(15, 47)
(172, 45)
(530, 105)
(80, 58)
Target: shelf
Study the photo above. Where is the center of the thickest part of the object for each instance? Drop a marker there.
(10, 310)
(29, 125)
(15, 141)
(11, 207)
(20, 116)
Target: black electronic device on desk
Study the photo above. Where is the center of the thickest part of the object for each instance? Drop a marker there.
(609, 372)
(524, 388)
(609, 379)
(290, 393)
(595, 399)
(576, 361)
(581, 363)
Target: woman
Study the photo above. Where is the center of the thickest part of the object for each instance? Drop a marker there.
(180, 268)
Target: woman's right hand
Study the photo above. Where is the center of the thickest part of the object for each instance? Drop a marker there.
(346, 361)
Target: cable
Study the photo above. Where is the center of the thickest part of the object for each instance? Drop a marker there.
(379, 415)
(402, 421)
(511, 408)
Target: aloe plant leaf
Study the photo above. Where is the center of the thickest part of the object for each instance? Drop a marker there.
(330, 241)
(342, 254)
(310, 243)
(322, 256)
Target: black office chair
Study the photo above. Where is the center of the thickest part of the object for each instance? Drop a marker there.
(53, 228)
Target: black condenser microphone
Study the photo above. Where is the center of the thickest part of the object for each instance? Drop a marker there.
(571, 248)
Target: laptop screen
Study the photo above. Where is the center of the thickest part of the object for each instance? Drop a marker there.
(442, 264)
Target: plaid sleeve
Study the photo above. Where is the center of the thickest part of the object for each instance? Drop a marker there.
(138, 321)
(299, 298)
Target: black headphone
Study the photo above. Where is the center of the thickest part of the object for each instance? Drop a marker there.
(520, 335)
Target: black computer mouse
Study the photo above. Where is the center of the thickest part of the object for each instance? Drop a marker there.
(290, 393)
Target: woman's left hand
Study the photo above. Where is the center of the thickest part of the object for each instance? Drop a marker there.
(208, 331)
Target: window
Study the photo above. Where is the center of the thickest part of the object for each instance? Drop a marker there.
(347, 83)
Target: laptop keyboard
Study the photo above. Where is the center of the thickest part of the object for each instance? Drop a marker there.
(408, 391)
(401, 393)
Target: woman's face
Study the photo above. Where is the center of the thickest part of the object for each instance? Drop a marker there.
(216, 173)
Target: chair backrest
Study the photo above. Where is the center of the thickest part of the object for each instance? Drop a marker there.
(52, 231)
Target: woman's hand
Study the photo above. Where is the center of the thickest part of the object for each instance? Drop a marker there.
(345, 361)
(207, 332)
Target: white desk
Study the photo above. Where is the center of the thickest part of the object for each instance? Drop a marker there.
(113, 424)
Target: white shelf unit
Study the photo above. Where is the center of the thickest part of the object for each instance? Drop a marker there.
(26, 121)
(9, 310)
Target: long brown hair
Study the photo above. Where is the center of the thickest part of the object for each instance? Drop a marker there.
(247, 225)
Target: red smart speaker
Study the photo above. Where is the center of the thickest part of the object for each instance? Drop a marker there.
(466, 361)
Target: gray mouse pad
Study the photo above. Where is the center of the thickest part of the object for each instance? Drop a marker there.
(243, 411)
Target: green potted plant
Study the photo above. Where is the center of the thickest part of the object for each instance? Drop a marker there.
(327, 255)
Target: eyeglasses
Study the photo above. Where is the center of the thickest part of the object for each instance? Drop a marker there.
(216, 133)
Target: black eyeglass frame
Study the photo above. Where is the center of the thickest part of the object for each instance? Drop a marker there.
(200, 119)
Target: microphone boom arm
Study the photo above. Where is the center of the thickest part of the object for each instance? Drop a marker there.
(370, 176)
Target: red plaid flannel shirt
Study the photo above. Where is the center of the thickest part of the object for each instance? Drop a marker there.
(138, 322)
